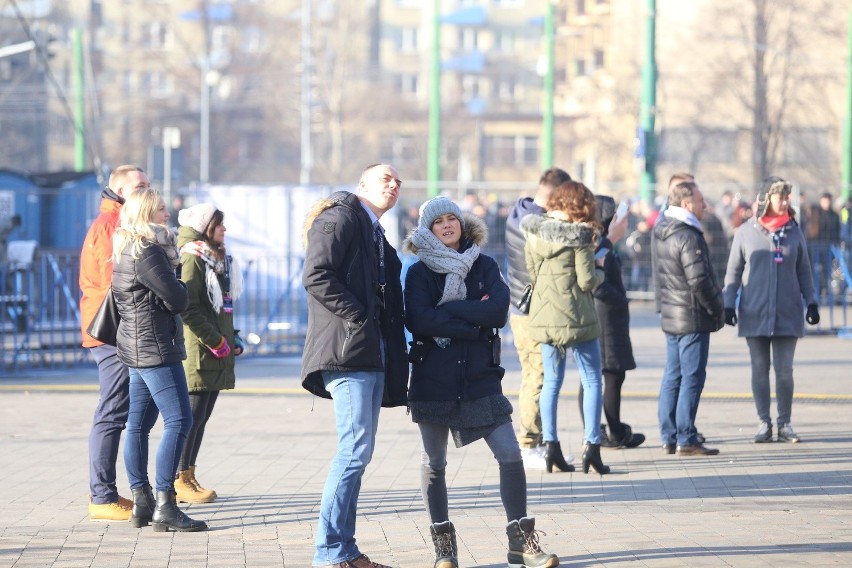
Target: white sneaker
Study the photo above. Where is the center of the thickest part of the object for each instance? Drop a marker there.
(533, 457)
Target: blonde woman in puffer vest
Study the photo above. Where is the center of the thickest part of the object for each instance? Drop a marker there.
(560, 257)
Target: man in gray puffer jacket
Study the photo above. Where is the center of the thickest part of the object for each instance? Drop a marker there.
(689, 300)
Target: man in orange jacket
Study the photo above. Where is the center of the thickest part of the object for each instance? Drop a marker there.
(114, 400)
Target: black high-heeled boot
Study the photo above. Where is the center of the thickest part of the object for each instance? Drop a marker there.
(553, 457)
(592, 457)
(167, 516)
(143, 507)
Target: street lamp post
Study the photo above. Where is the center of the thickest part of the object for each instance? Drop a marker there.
(171, 140)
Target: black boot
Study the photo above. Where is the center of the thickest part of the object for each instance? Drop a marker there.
(167, 516)
(631, 439)
(143, 507)
(592, 457)
(553, 457)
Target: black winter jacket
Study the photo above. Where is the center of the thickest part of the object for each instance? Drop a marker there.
(688, 294)
(611, 304)
(464, 370)
(345, 319)
(149, 298)
(515, 241)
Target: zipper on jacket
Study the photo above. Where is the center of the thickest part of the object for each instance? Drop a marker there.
(346, 339)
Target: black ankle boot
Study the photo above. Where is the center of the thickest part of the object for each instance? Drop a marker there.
(167, 516)
(553, 457)
(632, 439)
(143, 507)
(592, 457)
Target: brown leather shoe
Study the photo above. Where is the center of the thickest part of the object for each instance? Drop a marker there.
(696, 450)
(359, 562)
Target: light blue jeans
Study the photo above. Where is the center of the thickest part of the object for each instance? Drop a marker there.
(357, 400)
(587, 355)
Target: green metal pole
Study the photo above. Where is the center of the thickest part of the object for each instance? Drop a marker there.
(547, 115)
(649, 102)
(79, 102)
(845, 189)
(434, 158)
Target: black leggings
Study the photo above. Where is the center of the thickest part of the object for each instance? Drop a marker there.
(611, 402)
(202, 404)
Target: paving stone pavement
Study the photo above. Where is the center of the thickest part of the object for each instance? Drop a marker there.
(268, 446)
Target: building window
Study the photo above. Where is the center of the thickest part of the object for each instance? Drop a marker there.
(507, 90)
(157, 36)
(806, 146)
(698, 146)
(581, 7)
(580, 67)
(407, 84)
(599, 59)
(252, 39)
(408, 40)
(511, 151)
(504, 41)
(402, 150)
(469, 39)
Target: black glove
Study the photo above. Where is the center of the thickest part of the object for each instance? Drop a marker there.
(730, 316)
(813, 314)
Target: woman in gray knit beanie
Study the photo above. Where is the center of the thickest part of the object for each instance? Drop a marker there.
(455, 303)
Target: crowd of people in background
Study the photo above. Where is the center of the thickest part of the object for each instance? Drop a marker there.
(824, 220)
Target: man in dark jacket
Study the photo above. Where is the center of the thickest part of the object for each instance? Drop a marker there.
(689, 299)
(529, 352)
(355, 346)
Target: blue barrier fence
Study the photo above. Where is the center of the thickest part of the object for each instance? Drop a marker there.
(40, 320)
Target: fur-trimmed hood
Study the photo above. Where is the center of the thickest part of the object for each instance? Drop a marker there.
(557, 231)
(345, 198)
(475, 231)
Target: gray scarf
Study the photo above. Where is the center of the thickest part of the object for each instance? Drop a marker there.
(441, 259)
(164, 237)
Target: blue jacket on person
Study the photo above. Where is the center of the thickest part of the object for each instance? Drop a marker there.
(465, 369)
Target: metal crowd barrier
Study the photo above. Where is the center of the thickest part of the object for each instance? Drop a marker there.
(40, 320)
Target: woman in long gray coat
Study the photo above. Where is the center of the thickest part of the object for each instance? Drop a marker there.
(770, 268)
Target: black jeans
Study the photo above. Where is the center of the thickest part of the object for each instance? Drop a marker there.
(202, 404)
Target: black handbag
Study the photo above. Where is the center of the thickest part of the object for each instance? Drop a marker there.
(526, 296)
(104, 326)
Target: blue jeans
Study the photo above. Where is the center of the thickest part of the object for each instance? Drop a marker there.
(153, 391)
(683, 382)
(587, 355)
(110, 418)
(357, 397)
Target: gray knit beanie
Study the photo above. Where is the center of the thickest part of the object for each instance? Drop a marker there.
(436, 207)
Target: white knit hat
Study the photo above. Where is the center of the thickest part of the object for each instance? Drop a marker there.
(197, 216)
(436, 207)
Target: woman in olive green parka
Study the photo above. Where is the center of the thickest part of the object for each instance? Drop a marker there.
(213, 282)
(560, 257)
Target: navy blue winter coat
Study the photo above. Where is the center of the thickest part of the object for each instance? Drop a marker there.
(466, 369)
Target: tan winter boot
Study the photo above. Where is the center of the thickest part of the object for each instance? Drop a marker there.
(185, 489)
(524, 549)
(210, 492)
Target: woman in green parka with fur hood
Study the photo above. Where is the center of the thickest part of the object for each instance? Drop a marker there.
(213, 281)
(560, 257)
